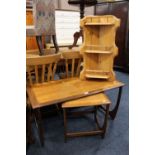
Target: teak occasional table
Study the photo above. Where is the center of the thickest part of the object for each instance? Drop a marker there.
(55, 92)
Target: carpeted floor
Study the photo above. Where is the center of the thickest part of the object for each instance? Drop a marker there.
(116, 141)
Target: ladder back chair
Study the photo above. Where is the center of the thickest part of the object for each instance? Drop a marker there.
(40, 69)
(94, 101)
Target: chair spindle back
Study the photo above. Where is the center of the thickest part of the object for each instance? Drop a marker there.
(43, 67)
(75, 59)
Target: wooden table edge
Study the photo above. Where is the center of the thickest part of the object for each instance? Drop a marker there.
(35, 104)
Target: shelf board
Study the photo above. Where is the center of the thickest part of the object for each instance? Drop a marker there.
(99, 24)
(97, 76)
(98, 51)
(96, 71)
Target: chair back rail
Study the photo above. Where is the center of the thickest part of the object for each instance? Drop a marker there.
(42, 67)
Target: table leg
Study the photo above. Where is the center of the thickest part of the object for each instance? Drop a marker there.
(39, 123)
(113, 112)
(105, 121)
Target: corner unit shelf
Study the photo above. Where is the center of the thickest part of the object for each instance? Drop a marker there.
(96, 74)
(99, 47)
(98, 52)
(99, 24)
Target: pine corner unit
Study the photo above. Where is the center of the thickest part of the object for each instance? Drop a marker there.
(99, 48)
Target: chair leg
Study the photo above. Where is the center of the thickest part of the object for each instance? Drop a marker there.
(39, 123)
(55, 43)
(105, 121)
(39, 43)
(30, 138)
(65, 125)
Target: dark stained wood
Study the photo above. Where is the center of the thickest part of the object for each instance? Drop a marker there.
(99, 131)
(120, 10)
(113, 112)
(55, 43)
(40, 45)
(76, 36)
(29, 135)
(39, 123)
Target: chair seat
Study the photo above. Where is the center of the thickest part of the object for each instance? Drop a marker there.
(93, 100)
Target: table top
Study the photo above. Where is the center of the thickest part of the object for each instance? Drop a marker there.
(59, 91)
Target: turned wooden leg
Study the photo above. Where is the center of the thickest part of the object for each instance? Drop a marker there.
(113, 112)
(40, 45)
(55, 43)
(39, 123)
(65, 125)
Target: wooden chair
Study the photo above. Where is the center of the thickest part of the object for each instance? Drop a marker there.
(44, 23)
(73, 64)
(40, 69)
(45, 65)
(29, 117)
(90, 101)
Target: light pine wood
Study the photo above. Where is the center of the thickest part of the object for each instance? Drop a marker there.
(59, 91)
(45, 65)
(93, 100)
(74, 59)
(34, 53)
(99, 48)
(49, 72)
